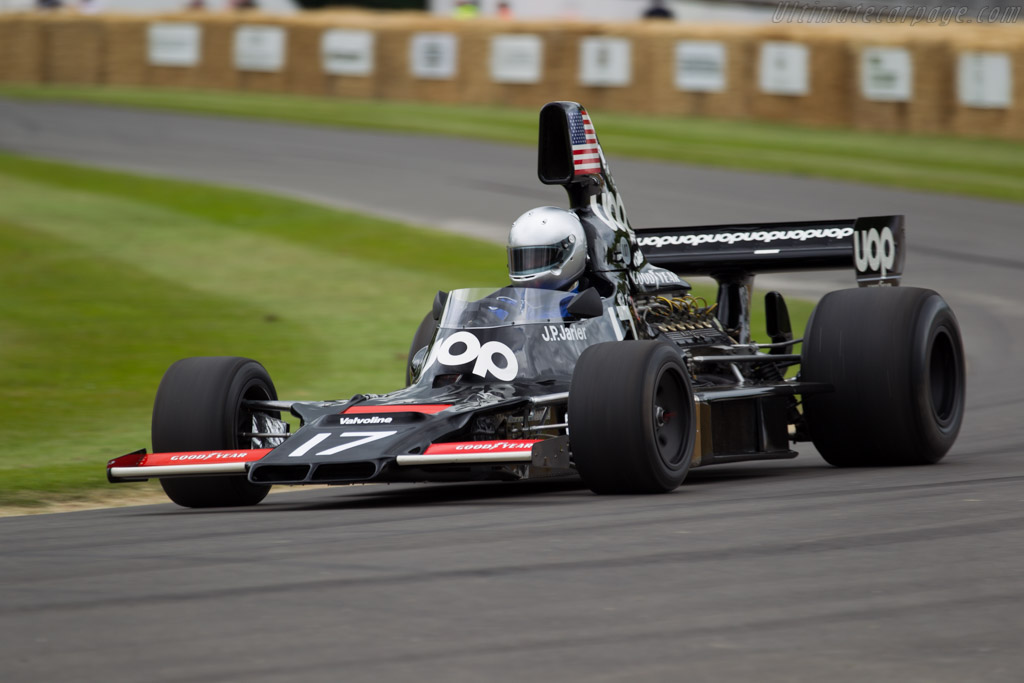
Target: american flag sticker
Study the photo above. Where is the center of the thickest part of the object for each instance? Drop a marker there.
(586, 152)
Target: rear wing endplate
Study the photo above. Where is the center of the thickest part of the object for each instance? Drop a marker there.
(873, 246)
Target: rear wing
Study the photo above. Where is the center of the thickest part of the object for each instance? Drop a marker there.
(872, 246)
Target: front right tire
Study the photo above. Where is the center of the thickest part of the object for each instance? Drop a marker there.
(199, 407)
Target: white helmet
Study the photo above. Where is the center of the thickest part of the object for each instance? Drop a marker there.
(547, 248)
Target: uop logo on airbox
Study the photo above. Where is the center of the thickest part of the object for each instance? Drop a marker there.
(874, 251)
(484, 354)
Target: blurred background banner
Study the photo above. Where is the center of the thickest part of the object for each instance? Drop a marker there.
(145, 6)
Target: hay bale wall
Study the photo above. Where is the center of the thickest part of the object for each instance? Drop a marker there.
(21, 50)
(829, 73)
(990, 120)
(73, 50)
(480, 87)
(669, 97)
(931, 108)
(106, 49)
(124, 52)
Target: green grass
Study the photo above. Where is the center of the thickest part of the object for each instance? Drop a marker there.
(979, 167)
(108, 278)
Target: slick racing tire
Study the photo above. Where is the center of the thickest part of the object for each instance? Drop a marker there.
(896, 360)
(424, 333)
(199, 408)
(631, 418)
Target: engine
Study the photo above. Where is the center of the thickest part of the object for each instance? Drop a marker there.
(686, 320)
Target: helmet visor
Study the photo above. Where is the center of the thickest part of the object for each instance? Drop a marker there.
(533, 260)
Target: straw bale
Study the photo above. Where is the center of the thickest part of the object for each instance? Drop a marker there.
(934, 87)
(629, 97)
(980, 122)
(827, 102)
(264, 81)
(110, 49)
(393, 81)
(667, 98)
(216, 69)
(555, 68)
(21, 49)
(125, 51)
(303, 68)
(203, 75)
(468, 48)
(474, 62)
(875, 115)
(73, 49)
(395, 78)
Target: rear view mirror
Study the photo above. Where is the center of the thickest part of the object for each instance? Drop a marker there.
(416, 366)
(439, 301)
(586, 304)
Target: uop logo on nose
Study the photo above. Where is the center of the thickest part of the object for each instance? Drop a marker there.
(874, 252)
(483, 354)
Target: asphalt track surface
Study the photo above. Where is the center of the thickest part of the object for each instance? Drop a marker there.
(786, 571)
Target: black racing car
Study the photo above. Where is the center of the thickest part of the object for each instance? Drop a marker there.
(628, 382)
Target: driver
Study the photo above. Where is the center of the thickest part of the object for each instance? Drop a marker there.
(547, 248)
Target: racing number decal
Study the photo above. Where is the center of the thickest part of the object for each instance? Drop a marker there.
(367, 437)
(484, 354)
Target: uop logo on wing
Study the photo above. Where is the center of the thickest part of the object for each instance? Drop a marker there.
(874, 251)
(764, 236)
(484, 355)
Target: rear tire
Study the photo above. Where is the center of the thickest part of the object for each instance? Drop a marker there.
(631, 417)
(199, 408)
(896, 360)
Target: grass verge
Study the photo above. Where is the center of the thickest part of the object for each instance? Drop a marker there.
(108, 278)
(978, 167)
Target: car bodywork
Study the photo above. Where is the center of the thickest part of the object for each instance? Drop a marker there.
(491, 390)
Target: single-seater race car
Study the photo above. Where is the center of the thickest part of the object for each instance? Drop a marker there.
(627, 380)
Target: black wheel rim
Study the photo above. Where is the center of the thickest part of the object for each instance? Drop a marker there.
(247, 421)
(670, 423)
(944, 378)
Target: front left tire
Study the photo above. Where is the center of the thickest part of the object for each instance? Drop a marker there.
(632, 424)
(895, 359)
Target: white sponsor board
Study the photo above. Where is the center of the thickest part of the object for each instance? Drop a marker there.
(347, 52)
(434, 55)
(174, 44)
(700, 66)
(886, 74)
(606, 62)
(260, 48)
(985, 80)
(783, 69)
(517, 58)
